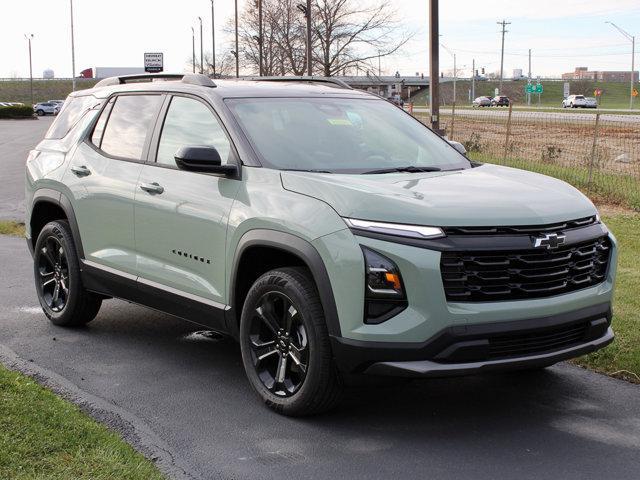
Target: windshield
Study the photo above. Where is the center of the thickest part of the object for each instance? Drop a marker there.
(341, 135)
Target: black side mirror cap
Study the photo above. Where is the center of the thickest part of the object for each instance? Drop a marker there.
(204, 159)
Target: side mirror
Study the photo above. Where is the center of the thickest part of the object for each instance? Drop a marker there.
(458, 146)
(204, 159)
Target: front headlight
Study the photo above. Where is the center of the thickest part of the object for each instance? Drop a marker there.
(384, 290)
(398, 229)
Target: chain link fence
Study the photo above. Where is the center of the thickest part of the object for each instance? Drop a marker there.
(597, 153)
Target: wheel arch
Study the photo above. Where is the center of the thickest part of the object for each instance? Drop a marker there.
(48, 205)
(282, 246)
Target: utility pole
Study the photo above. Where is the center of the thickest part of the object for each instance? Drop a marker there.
(528, 94)
(237, 45)
(213, 41)
(434, 67)
(201, 56)
(455, 72)
(261, 70)
(473, 80)
(632, 39)
(379, 69)
(504, 25)
(29, 37)
(193, 49)
(73, 53)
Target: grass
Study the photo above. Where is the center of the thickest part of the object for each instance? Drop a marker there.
(43, 90)
(9, 227)
(622, 357)
(615, 94)
(44, 436)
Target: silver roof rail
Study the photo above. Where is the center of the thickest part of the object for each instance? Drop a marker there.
(305, 78)
(190, 78)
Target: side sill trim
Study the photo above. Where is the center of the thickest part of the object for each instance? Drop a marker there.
(155, 285)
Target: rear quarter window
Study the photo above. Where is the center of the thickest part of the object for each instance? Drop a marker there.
(74, 109)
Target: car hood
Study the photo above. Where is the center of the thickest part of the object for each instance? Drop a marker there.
(488, 195)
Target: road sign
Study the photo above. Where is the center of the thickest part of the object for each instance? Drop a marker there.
(634, 93)
(531, 88)
(496, 92)
(566, 90)
(597, 92)
(153, 62)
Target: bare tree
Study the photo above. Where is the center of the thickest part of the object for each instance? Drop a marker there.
(350, 36)
(225, 64)
(345, 36)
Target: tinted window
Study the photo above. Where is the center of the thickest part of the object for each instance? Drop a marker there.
(96, 136)
(129, 123)
(190, 122)
(73, 110)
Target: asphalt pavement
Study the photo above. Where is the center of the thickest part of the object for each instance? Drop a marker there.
(182, 398)
(17, 137)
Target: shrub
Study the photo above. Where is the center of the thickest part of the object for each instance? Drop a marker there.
(16, 111)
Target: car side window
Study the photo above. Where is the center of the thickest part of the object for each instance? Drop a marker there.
(190, 122)
(98, 130)
(128, 125)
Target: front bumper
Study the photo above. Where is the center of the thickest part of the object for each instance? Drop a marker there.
(469, 349)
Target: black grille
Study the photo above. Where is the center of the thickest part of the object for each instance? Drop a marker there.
(553, 227)
(523, 274)
(536, 342)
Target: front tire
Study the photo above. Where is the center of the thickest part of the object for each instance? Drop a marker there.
(285, 344)
(40, 113)
(62, 296)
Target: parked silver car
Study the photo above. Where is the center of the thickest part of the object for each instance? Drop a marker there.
(44, 108)
(481, 102)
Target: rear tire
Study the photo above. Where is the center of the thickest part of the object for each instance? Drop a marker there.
(62, 296)
(285, 344)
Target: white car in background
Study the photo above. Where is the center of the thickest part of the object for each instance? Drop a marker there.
(579, 101)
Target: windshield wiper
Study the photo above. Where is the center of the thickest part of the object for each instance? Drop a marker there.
(408, 169)
(306, 170)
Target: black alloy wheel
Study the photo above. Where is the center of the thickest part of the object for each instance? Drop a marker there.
(279, 344)
(53, 270)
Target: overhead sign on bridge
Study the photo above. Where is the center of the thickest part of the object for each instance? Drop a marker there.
(153, 62)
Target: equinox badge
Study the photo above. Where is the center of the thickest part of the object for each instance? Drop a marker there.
(549, 241)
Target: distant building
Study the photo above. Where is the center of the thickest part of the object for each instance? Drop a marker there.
(583, 73)
(48, 74)
(517, 74)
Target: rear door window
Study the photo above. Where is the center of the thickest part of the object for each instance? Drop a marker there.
(129, 124)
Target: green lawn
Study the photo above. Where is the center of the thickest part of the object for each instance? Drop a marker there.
(44, 436)
(616, 95)
(622, 357)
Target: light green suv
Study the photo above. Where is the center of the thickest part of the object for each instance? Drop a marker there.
(329, 232)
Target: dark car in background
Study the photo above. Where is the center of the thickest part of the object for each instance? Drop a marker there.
(500, 101)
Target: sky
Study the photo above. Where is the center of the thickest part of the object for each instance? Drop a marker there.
(562, 34)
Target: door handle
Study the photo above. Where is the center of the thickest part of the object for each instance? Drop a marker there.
(80, 171)
(152, 188)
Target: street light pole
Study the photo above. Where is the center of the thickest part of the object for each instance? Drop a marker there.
(237, 46)
(73, 53)
(213, 41)
(193, 49)
(29, 37)
(309, 59)
(434, 67)
(632, 39)
(201, 56)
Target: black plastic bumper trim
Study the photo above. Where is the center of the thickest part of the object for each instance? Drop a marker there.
(356, 356)
(430, 369)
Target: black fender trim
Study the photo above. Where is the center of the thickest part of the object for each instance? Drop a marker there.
(61, 200)
(299, 247)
